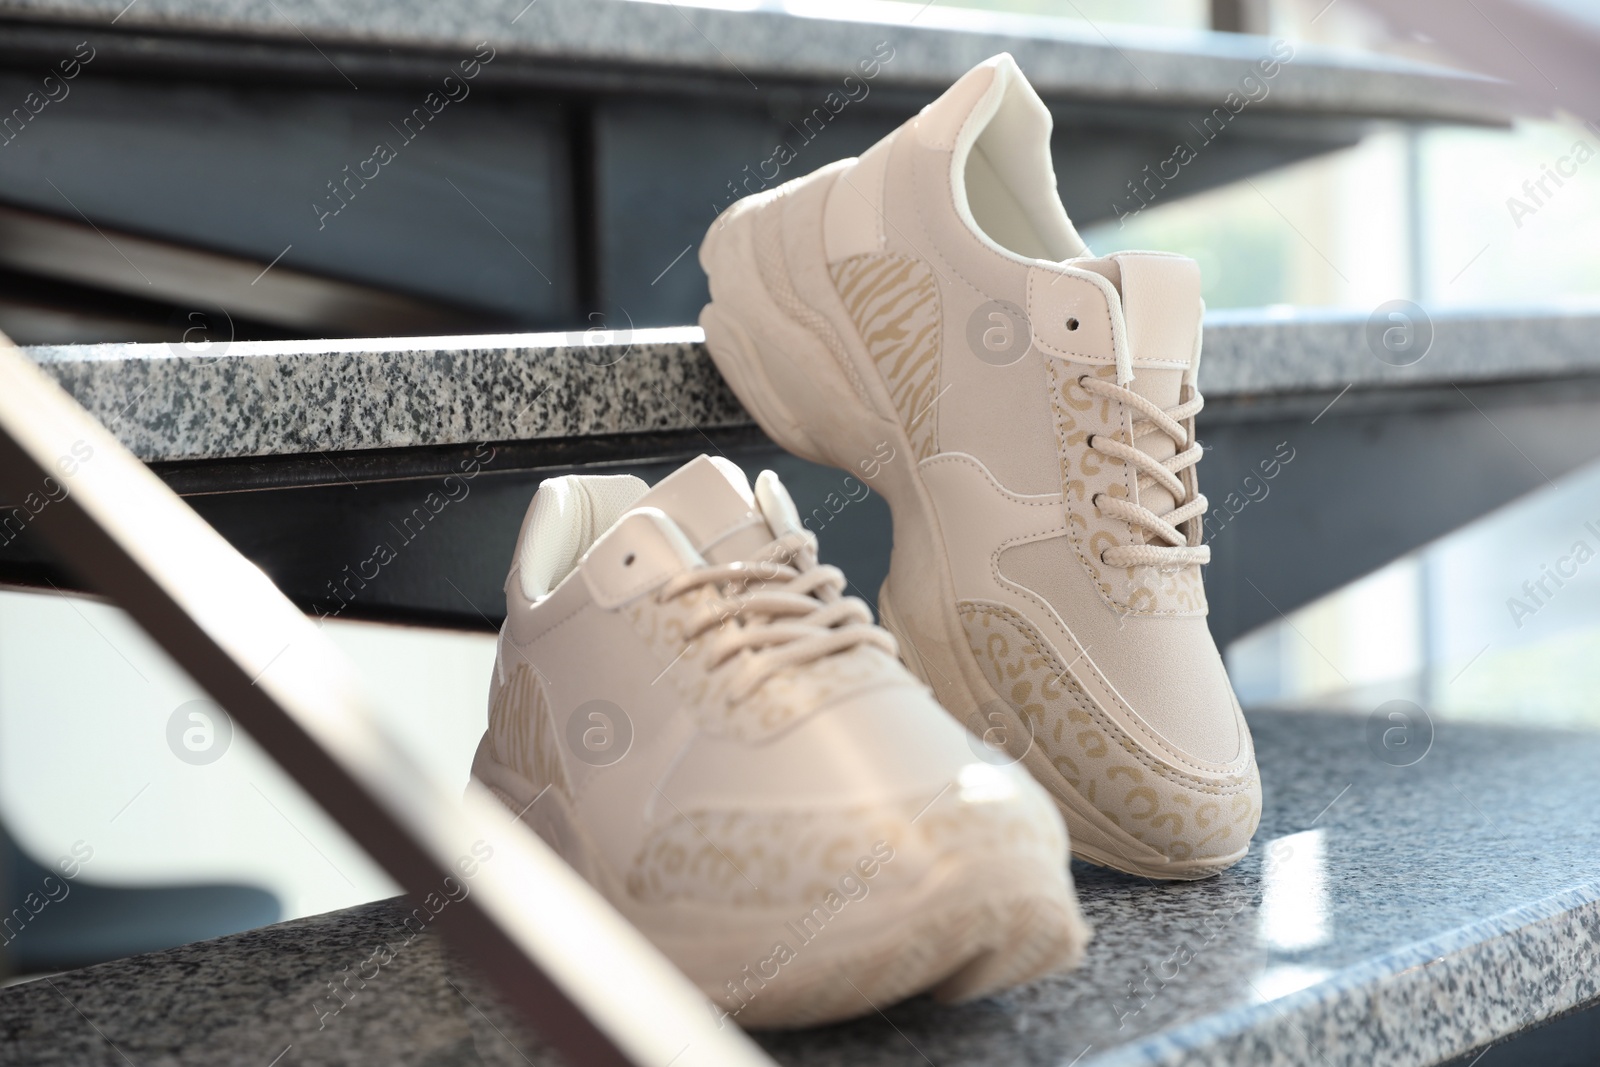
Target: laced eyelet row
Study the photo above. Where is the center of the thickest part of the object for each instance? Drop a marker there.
(1173, 544)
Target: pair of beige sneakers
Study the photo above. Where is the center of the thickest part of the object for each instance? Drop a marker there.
(812, 817)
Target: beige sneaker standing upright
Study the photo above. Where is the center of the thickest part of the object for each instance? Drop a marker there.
(690, 712)
(1040, 403)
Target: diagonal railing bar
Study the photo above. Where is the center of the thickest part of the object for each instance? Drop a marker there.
(559, 954)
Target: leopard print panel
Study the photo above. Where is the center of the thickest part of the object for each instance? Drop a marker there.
(760, 858)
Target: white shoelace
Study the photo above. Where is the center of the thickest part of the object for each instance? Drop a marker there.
(1180, 547)
(780, 609)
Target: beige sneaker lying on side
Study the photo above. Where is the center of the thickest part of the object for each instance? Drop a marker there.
(689, 711)
(932, 301)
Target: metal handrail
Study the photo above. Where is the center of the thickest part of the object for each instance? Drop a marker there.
(559, 954)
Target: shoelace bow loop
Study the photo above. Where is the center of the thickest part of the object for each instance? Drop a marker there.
(779, 610)
(1182, 547)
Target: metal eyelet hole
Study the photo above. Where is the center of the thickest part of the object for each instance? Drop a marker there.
(627, 561)
(1072, 323)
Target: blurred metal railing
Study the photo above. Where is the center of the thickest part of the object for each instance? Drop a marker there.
(558, 953)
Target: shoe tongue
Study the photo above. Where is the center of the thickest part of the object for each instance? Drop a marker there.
(1161, 306)
(710, 500)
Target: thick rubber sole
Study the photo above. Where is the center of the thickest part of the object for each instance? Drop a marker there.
(974, 926)
(747, 330)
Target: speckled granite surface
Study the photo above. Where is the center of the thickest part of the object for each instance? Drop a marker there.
(1254, 351)
(1063, 57)
(1394, 915)
(286, 397)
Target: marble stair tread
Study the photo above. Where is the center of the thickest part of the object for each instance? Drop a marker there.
(265, 398)
(1394, 914)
